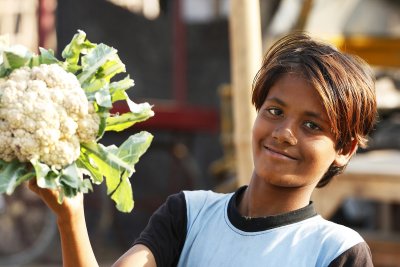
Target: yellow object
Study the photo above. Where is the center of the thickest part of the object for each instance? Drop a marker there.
(377, 51)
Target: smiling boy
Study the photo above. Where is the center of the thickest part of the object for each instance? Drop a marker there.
(315, 106)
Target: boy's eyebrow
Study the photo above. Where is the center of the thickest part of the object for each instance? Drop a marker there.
(315, 115)
(279, 101)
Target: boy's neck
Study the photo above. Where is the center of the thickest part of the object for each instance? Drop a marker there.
(262, 200)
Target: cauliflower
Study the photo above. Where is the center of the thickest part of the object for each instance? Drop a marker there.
(53, 114)
(44, 115)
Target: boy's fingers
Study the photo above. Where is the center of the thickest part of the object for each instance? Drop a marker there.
(43, 192)
(33, 186)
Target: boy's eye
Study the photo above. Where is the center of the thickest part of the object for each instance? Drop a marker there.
(311, 125)
(275, 111)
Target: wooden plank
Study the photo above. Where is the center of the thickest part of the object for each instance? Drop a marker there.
(7, 16)
(23, 13)
(246, 56)
(385, 253)
(28, 29)
(373, 175)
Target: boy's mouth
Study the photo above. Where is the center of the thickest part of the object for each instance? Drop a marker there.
(279, 152)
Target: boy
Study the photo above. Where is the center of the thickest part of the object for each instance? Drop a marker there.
(315, 107)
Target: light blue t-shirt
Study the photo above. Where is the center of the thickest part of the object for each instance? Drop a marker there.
(299, 238)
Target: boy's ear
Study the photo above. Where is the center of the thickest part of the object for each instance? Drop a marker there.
(344, 154)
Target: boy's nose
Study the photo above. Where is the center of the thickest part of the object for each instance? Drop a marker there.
(284, 134)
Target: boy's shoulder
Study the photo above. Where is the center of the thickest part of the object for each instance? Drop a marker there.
(200, 198)
(332, 236)
(205, 203)
(331, 229)
(204, 194)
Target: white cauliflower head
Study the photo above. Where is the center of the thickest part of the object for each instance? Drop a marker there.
(44, 115)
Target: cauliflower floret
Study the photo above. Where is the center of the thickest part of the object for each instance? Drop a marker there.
(6, 151)
(61, 81)
(45, 115)
(24, 144)
(68, 127)
(88, 126)
(62, 153)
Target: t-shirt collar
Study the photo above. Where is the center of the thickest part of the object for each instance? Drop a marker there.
(265, 223)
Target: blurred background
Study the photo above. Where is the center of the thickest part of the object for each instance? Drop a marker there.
(190, 59)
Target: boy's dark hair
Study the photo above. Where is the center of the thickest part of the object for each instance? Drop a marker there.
(345, 84)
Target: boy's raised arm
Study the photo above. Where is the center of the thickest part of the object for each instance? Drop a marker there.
(75, 243)
(76, 248)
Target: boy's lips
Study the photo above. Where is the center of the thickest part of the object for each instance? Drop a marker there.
(280, 153)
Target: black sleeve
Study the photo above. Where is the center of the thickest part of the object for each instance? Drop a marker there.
(165, 233)
(357, 256)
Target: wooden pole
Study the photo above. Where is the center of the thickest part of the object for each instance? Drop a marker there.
(246, 56)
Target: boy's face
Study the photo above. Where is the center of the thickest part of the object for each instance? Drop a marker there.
(292, 142)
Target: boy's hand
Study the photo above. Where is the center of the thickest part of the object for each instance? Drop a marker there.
(64, 211)
(75, 243)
